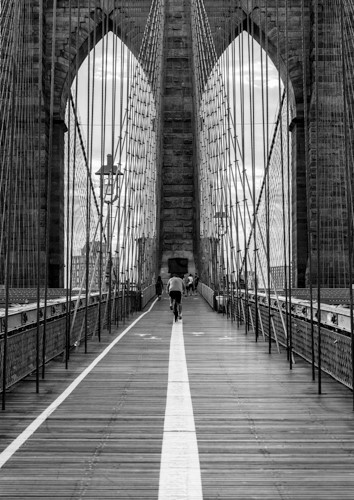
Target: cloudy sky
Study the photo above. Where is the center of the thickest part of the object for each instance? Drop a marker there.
(108, 89)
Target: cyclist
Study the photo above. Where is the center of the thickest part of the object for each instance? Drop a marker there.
(175, 288)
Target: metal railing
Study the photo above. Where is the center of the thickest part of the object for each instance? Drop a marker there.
(26, 342)
(207, 293)
(147, 294)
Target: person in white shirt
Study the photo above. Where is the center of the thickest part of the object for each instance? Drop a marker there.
(175, 289)
(190, 287)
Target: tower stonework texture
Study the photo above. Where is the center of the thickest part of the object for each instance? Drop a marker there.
(178, 233)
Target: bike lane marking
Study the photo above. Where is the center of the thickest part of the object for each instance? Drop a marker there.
(11, 449)
(180, 476)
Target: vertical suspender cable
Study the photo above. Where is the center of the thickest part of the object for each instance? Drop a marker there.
(39, 173)
(114, 90)
(67, 273)
(253, 167)
(282, 182)
(100, 277)
(288, 189)
(9, 214)
(349, 189)
(317, 163)
(88, 185)
(125, 210)
(105, 46)
(73, 187)
(110, 206)
(267, 185)
(230, 90)
(91, 135)
(101, 221)
(118, 252)
(245, 254)
(237, 242)
(72, 208)
(49, 174)
(306, 132)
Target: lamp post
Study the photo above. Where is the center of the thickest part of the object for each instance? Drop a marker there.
(107, 175)
(221, 232)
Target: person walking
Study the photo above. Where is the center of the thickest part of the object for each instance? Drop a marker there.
(196, 281)
(190, 285)
(159, 288)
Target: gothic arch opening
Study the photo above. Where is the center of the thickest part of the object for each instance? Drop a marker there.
(110, 204)
(246, 157)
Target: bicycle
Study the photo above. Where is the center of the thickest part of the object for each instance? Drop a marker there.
(176, 303)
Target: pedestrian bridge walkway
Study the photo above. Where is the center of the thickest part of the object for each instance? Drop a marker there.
(193, 410)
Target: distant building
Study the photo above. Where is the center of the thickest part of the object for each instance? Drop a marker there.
(79, 266)
(278, 276)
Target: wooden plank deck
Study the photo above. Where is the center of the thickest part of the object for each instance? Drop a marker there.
(263, 431)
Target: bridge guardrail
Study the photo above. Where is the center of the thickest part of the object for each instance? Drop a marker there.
(336, 357)
(25, 316)
(147, 294)
(335, 328)
(207, 293)
(22, 330)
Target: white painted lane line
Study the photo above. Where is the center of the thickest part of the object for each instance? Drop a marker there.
(180, 477)
(27, 433)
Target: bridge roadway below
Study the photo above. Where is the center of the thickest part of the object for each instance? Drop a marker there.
(215, 418)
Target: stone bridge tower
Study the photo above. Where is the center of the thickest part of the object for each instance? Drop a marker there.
(179, 189)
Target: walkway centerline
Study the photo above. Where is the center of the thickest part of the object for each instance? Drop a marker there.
(180, 476)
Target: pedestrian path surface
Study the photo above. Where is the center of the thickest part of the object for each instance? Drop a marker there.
(193, 410)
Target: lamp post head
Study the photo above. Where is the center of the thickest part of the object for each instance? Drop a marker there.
(107, 173)
(109, 168)
(221, 218)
